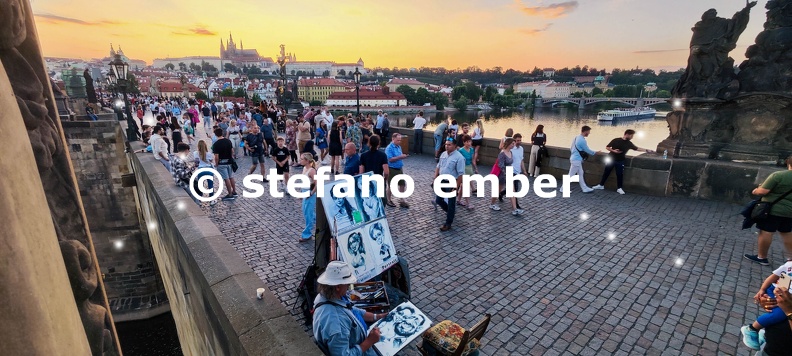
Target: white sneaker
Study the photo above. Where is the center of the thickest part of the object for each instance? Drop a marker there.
(587, 190)
(620, 191)
(495, 207)
(598, 187)
(515, 213)
(519, 211)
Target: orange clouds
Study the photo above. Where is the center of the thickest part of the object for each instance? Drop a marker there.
(55, 19)
(198, 31)
(535, 31)
(551, 11)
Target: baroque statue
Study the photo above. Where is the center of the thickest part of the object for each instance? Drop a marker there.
(710, 71)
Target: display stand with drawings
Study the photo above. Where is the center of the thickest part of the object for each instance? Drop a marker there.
(360, 228)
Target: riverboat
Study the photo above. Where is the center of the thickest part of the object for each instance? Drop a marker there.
(626, 114)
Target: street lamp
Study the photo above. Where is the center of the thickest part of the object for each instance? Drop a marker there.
(244, 88)
(357, 88)
(120, 70)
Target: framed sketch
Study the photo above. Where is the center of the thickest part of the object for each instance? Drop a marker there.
(345, 211)
(370, 205)
(379, 238)
(400, 327)
(355, 249)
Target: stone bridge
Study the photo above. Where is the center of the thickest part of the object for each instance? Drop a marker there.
(583, 102)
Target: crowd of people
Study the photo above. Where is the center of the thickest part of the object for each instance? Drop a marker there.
(358, 144)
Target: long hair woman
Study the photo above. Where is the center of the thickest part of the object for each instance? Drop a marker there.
(309, 203)
(203, 159)
(505, 160)
(477, 139)
(321, 140)
(538, 140)
(509, 133)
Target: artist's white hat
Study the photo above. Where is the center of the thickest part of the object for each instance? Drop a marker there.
(336, 274)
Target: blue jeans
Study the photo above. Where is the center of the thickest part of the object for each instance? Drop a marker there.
(438, 142)
(775, 316)
(449, 208)
(309, 212)
(619, 173)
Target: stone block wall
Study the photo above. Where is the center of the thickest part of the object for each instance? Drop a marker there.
(122, 248)
(212, 291)
(647, 174)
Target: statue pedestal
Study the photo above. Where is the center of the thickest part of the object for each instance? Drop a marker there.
(752, 127)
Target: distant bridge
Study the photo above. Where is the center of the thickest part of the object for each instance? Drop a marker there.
(583, 102)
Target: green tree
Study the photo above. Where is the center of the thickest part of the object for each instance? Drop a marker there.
(206, 67)
(256, 98)
(609, 93)
(473, 91)
(408, 92)
(596, 91)
(194, 67)
(422, 96)
(342, 72)
(439, 100)
(461, 103)
(227, 92)
(254, 70)
(458, 92)
(326, 73)
(182, 67)
(663, 94)
(170, 66)
(201, 96)
(316, 103)
(489, 93)
(509, 91)
(239, 92)
(228, 67)
(599, 95)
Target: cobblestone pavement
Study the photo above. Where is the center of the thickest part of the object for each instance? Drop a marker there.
(554, 282)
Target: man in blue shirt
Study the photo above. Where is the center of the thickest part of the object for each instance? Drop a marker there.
(452, 163)
(352, 165)
(395, 166)
(378, 124)
(578, 150)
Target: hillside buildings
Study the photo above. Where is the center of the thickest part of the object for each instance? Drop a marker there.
(378, 97)
(229, 53)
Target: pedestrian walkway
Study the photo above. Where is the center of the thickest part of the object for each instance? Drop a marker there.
(598, 273)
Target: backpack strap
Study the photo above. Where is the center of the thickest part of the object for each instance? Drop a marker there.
(781, 197)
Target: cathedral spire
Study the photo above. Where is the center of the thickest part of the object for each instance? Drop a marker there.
(112, 51)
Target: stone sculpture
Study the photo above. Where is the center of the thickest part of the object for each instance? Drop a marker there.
(89, 87)
(710, 71)
(767, 68)
(21, 57)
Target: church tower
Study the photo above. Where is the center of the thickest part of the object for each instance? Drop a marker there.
(112, 51)
(222, 49)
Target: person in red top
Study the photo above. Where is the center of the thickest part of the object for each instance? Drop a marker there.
(140, 114)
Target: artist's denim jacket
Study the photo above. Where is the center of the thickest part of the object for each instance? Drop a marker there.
(337, 331)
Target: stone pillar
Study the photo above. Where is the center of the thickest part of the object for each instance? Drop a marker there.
(42, 210)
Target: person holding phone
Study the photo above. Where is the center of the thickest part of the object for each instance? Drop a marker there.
(779, 279)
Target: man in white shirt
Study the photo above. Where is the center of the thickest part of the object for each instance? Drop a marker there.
(418, 125)
(159, 147)
(328, 117)
(229, 105)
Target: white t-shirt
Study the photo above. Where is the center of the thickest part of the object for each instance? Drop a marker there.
(229, 106)
(476, 134)
(204, 164)
(419, 123)
(517, 155)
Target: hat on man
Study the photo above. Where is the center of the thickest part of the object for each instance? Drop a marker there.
(336, 274)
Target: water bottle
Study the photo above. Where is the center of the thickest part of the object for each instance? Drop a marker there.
(665, 154)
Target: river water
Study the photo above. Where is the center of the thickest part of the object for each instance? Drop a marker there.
(561, 126)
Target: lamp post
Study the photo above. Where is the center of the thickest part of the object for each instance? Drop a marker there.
(244, 88)
(120, 69)
(357, 89)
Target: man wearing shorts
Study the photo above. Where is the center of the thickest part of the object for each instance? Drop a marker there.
(254, 144)
(395, 166)
(780, 220)
(223, 152)
(280, 154)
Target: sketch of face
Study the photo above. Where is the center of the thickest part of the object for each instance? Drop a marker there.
(376, 233)
(407, 322)
(355, 246)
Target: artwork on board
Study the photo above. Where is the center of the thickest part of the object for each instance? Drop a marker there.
(400, 327)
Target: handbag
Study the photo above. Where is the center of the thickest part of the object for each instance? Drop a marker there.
(761, 209)
(496, 169)
(583, 154)
(234, 165)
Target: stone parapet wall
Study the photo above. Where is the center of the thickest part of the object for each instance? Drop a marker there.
(647, 174)
(212, 290)
(123, 249)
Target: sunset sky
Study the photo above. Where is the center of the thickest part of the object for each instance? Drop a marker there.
(516, 34)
